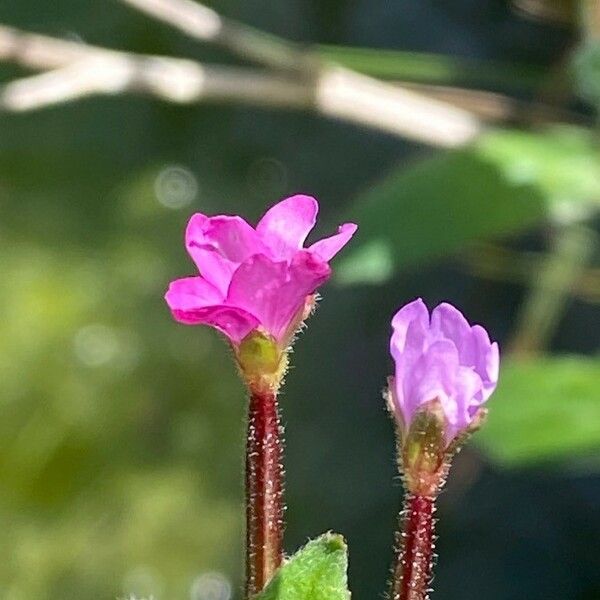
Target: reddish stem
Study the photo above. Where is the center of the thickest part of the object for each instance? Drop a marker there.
(414, 547)
(264, 491)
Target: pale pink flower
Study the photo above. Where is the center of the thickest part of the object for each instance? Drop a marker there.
(442, 359)
(255, 278)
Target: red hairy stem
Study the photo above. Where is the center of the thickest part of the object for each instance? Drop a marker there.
(264, 491)
(414, 549)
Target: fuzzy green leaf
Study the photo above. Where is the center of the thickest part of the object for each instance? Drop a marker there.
(315, 572)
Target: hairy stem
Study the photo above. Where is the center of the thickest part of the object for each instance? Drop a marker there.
(414, 549)
(264, 491)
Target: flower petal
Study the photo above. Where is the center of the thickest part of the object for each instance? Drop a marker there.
(306, 274)
(473, 343)
(284, 227)
(328, 247)
(235, 323)
(192, 292)
(487, 360)
(231, 236)
(276, 291)
(414, 311)
(218, 245)
(430, 376)
(195, 301)
(448, 322)
(467, 388)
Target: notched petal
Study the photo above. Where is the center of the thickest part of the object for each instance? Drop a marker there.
(414, 311)
(285, 226)
(328, 247)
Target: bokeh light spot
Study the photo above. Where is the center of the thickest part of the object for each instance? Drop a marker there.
(211, 586)
(176, 187)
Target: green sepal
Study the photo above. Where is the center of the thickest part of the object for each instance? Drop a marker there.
(424, 446)
(262, 362)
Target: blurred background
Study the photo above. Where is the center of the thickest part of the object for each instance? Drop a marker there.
(121, 432)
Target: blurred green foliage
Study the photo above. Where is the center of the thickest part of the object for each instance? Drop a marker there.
(587, 71)
(505, 183)
(121, 432)
(543, 410)
(434, 68)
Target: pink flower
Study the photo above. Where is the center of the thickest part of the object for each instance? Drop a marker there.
(441, 359)
(255, 278)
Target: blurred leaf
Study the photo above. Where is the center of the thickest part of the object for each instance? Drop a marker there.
(544, 409)
(316, 572)
(586, 65)
(559, 11)
(434, 68)
(507, 181)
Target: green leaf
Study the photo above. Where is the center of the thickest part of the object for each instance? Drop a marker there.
(434, 68)
(507, 181)
(586, 66)
(544, 409)
(316, 572)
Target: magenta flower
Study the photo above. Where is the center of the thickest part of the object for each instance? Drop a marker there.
(255, 278)
(444, 360)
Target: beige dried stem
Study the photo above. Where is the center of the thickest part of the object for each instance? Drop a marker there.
(293, 79)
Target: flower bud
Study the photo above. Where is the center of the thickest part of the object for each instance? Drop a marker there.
(446, 369)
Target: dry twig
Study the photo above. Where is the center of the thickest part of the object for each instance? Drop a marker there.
(74, 70)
